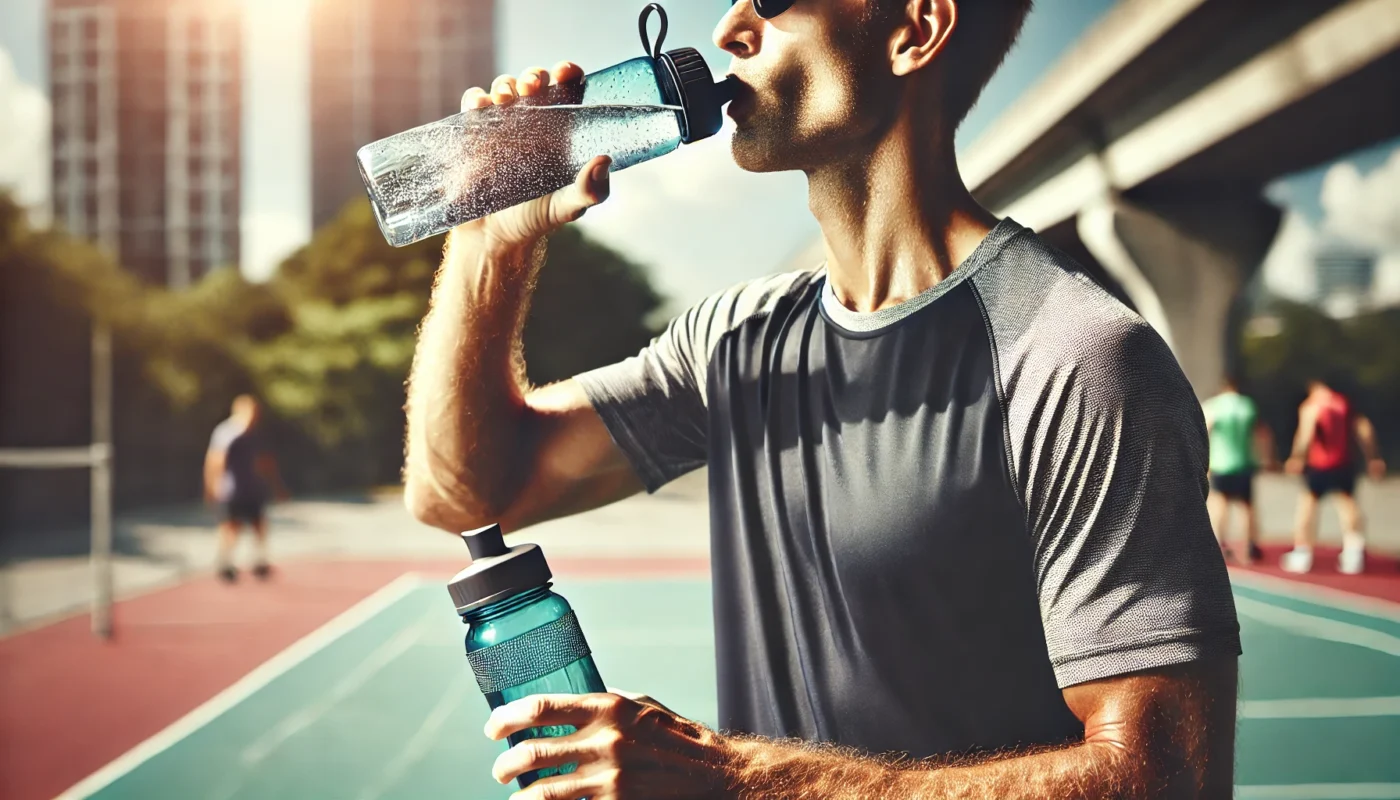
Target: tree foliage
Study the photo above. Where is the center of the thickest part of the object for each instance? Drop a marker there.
(1359, 356)
(327, 343)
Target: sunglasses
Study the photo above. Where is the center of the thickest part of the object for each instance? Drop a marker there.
(768, 9)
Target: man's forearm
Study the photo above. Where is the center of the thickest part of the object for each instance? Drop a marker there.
(466, 393)
(768, 769)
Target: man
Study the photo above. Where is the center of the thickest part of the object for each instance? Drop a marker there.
(957, 492)
(240, 474)
(1232, 421)
(1322, 455)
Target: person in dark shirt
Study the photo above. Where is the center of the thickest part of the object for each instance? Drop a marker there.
(240, 475)
(957, 491)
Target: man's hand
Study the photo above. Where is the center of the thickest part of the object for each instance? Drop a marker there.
(1376, 467)
(1294, 465)
(624, 747)
(522, 225)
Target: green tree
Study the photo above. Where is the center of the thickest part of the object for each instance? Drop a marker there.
(355, 303)
(1360, 357)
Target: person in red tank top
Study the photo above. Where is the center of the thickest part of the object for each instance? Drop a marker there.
(1322, 454)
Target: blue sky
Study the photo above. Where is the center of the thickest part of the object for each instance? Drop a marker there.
(665, 213)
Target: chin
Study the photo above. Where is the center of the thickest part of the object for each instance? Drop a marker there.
(755, 150)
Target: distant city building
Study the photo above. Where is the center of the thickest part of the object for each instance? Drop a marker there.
(147, 130)
(383, 66)
(1344, 281)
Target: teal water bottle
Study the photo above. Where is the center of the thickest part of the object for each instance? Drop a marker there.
(522, 638)
(434, 177)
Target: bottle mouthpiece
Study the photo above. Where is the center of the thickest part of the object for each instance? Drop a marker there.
(486, 542)
(726, 90)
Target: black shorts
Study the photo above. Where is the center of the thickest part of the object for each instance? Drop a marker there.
(1234, 486)
(1322, 482)
(249, 511)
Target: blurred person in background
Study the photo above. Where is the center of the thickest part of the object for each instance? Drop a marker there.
(1239, 444)
(957, 505)
(241, 476)
(1322, 453)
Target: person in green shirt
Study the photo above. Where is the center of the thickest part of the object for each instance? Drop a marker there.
(1239, 445)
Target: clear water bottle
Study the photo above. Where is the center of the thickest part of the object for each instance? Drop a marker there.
(429, 179)
(522, 638)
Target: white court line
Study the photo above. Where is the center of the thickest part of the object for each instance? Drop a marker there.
(1318, 627)
(1320, 791)
(425, 738)
(1324, 595)
(246, 686)
(1320, 708)
(304, 717)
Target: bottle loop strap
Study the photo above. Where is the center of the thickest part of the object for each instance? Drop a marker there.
(654, 52)
(529, 656)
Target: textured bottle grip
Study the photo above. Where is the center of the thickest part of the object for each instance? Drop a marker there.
(529, 656)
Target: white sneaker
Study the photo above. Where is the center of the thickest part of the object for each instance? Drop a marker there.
(1297, 561)
(1352, 560)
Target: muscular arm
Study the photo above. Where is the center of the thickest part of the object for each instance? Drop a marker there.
(1307, 426)
(1166, 732)
(1366, 436)
(482, 445)
(213, 471)
(1162, 733)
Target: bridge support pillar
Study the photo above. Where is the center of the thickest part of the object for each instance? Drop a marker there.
(1184, 264)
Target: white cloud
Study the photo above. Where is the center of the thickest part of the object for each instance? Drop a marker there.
(268, 238)
(700, 222)
(1364, 209)
(1288, 269)
(24, 140)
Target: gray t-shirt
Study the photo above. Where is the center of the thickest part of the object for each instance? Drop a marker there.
(927, 520)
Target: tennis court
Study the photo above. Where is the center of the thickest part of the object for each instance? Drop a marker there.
(379, 702)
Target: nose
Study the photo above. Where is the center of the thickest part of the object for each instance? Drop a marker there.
(738, 31)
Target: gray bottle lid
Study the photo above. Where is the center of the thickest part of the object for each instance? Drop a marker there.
(496, 571)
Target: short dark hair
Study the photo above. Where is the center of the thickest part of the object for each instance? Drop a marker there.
(985, 32)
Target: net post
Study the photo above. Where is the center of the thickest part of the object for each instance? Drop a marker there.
(101, 476)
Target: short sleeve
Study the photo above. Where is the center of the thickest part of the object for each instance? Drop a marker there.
(1112, 471)
(1107, 450)
(654, 403)
(223, 436)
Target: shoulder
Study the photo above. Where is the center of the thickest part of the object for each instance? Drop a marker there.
(1050, 321)
(700, 329)
(224, 434)
(732, 307)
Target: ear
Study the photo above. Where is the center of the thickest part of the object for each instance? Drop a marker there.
(921, 34)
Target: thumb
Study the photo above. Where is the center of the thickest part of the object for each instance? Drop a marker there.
(591, 187)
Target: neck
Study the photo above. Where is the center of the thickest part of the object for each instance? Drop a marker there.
(897, 219)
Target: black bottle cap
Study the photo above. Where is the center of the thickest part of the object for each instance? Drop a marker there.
(687, 82)
(496, 571)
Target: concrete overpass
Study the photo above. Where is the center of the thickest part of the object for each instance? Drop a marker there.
(1144, 151)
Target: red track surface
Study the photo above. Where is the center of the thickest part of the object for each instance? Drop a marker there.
(1381, 579)
(69, 703)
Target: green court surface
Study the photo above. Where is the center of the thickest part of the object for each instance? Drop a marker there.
(380, 704)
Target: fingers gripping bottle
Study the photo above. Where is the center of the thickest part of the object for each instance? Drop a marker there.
(434, 177)
(522, 638)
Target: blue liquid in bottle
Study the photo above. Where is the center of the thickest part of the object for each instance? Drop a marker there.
(522, 638)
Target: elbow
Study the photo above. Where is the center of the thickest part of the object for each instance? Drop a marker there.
(428, 504)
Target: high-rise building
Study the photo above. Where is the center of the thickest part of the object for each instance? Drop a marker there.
(383, 66)
(146, 130)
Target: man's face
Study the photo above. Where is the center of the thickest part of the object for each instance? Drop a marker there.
(816, 82)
